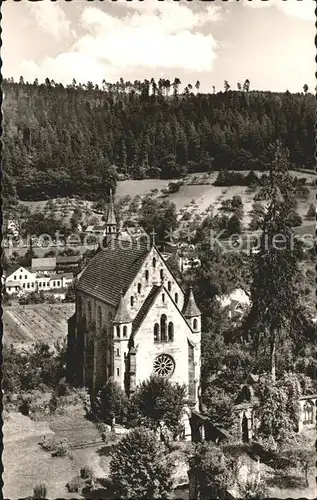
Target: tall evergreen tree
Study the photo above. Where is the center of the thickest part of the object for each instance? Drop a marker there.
(274, 295)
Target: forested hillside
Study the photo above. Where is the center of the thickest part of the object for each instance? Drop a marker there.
(74, 140)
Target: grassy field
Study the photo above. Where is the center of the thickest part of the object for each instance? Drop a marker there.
(196, 195)
(36, 323)
(27, 464)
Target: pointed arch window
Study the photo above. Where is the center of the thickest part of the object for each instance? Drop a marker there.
(139, 287)
(176, 298)
(125, 331)
(89, 311)
(169, 286)
(154, 262)
(99, 317)
(308, 413)
(147, 275)
(162, 274)
(195, 324)
(132, 301)
(163, 327)
(156, 332)
(118, 331)
(170, 332)
(163, 298)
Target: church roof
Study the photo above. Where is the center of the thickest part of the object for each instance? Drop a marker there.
(111, 270)
(122, 315)
(190, 308)
(111, 218)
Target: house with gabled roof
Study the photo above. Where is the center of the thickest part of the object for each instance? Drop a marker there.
(133, 320)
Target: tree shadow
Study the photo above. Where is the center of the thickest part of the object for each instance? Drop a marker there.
(106, 450)
(102, 490)
(285, 481)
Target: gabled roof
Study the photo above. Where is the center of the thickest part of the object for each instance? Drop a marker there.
(190, 307)
(112, 270)
(45, 263)
(122, 315)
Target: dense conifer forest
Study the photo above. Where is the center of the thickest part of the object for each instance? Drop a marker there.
(79, 139)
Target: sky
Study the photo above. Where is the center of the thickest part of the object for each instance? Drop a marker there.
(269, 42)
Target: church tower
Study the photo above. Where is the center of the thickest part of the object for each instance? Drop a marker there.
(193, 317)
(111, 223)
(122, 329)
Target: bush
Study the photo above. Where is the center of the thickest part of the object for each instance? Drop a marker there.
(40, 491)
(75, 485)
(62, 449)
(48, 443)
(141, 467)
(87, 473)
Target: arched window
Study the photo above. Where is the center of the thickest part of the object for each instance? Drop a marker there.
(195, 324)
(118, 331)
(132, 301)
(161, 274)
(156, 332)
(125, 331)
(154, 262)
(176, 298)
(169, 286)
(163, 297)
(139, 287)
(110, 317)
(147, 275)
(308, 413)
(163, 328)
(89, 311)
(170, 332)
(99, 317)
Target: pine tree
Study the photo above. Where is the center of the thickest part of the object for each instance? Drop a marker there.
(274, 295)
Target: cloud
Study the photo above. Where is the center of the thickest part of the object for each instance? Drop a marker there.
(301, 9)
(52, 19)
(159, 36)
(64, 68)
(156, 36)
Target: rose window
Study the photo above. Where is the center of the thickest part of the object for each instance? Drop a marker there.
(163, 365)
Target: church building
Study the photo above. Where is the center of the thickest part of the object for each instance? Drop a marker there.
(132, 319)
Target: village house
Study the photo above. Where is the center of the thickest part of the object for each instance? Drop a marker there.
(133, 320)
(20, 279)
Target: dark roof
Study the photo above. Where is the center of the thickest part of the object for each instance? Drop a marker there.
(68, 259)
(122, 315)
(145, 308)
(190, 308)
(112, 270)
(45, 263)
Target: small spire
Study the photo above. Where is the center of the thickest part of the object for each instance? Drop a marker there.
(122, 315)
(153, 234)
(191, 308)
(111, 218)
